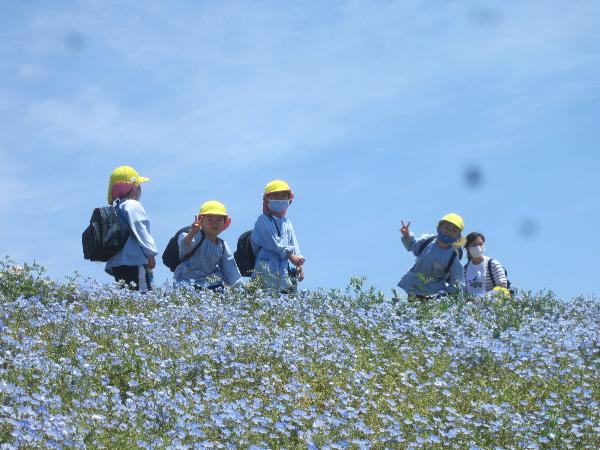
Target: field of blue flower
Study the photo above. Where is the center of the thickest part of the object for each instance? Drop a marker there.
(89, 365)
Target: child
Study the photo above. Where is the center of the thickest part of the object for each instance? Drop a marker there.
(482, 274)
(274, 241)
(204, 257)
(135, 261)
(438, 266)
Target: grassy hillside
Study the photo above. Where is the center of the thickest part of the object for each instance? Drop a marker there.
(98, 366)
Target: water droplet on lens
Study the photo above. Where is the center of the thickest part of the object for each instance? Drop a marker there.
(528, 228)
(75, 41)
(473, 176)
(484, 17)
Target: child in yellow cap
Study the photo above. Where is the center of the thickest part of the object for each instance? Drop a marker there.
(437, 268)
(274, 242)
(135, 261)
(205, 259)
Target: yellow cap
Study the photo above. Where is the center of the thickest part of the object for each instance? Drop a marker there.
(454, 219)
(277, 186)
(213, 207)
(124, 174)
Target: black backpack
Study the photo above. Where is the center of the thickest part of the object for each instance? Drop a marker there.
(457, 252)
(105, 236)
(244, 255)
(170, 256)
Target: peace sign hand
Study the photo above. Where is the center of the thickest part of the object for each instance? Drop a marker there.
(197, 225)
(404, 230)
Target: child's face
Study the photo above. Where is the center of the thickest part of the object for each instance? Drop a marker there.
(449, 229)
(283, 195)
(137, 192)
(212, 223)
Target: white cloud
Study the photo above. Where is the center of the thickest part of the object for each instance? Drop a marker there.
(89, 118)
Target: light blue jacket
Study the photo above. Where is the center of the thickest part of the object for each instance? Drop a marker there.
(428, 275)
(140, 244)
(210, 264)
(273, 239)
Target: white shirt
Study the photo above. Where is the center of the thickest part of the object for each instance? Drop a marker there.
(474, 271)
(476, 278)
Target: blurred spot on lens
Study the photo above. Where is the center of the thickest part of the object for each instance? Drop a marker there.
(75, 41)
(484, 17)
(528, 228)
(473, 176)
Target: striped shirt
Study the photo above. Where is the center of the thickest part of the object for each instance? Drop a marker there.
(497, 270)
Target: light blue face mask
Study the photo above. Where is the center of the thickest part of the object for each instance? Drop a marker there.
(447, 239)
(278, 206)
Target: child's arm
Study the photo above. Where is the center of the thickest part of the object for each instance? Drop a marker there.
(457, 277)
(185, 241)
(294, 240)
(139, 226)
(195, 227)
(412, 244)
(184, 244)
(499, 275)
(295, 257)
(264, 236)
(231, 273)
(408, 238)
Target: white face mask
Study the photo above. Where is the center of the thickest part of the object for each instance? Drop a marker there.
(476, 251)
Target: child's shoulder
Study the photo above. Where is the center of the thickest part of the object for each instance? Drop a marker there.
(131, 203)
(133, 206)
(267, 218)
(425, 239)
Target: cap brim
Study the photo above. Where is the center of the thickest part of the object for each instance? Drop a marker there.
(143, 179)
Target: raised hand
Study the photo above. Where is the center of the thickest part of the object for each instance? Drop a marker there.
(197, 225)
(404, 230)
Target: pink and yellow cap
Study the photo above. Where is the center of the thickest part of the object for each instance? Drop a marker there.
(123, 178)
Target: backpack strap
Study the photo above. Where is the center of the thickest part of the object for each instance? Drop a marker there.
(121, 216)
(116, 204)
(450, 262)
(425, 243)
(275, 223)
(190, 254)
(490, 271)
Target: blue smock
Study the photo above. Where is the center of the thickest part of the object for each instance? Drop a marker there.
(140, 244)
(210, 264)
(428, 275)
(273, 239)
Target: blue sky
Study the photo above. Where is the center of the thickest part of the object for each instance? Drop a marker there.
(373, 111)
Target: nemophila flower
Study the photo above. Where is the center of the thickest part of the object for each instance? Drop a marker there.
(196, 370)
